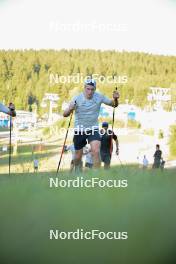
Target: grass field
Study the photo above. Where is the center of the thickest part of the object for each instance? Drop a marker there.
(145, 209)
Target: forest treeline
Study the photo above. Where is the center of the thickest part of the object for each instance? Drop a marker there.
(25, 74)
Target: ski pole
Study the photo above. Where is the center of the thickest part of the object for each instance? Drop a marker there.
(113, 116)
(10, 144)
(63, 147)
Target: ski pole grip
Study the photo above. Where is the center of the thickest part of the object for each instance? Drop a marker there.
(116, 99)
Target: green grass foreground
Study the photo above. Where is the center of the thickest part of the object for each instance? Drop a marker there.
(145, 209)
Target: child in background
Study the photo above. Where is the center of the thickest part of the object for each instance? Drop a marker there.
(145, 162)
(71, 148)
(36, 164)
(88, 158)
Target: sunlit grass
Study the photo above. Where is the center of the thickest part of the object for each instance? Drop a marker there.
(145, 209)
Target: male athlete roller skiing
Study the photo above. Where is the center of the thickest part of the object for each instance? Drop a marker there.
(87, 106)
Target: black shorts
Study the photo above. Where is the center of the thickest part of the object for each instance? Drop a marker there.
(156, 164)
(105, 157)
(88, 165)
(80, 140)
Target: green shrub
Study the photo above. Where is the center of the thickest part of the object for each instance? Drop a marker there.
(172, 141)
(161, 134)
(149, 132)
(117, 122)
(133, 124)
(46, 131)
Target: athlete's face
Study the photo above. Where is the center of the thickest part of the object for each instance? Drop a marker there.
(89, 91)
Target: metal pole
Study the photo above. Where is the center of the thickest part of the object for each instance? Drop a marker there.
(64, 144)
(10, 144)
